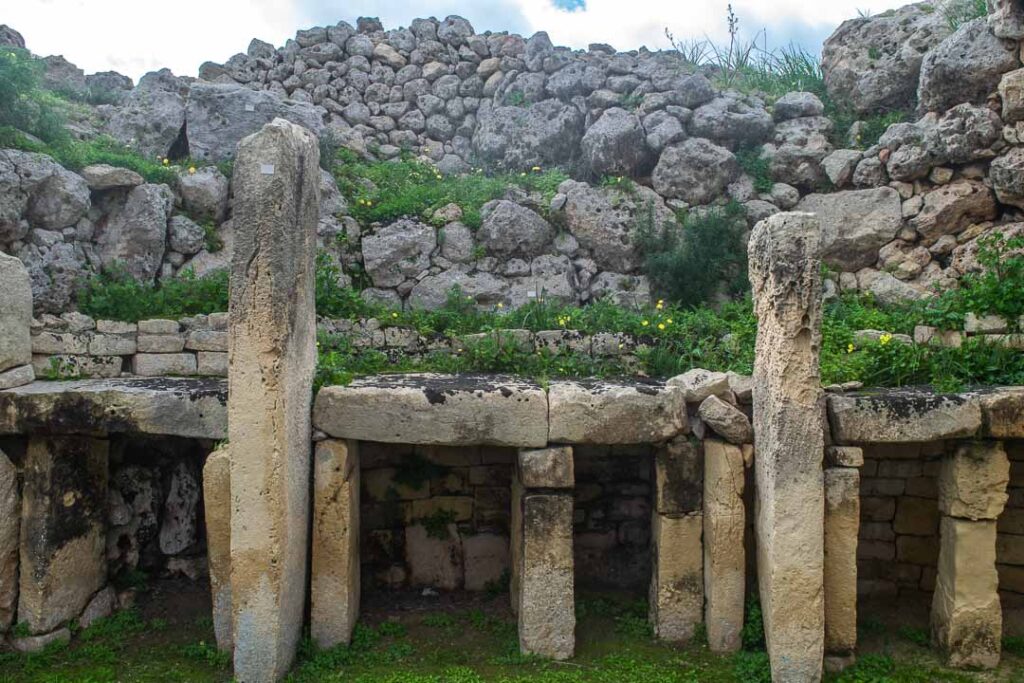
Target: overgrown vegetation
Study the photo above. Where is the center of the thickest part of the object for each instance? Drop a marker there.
(959, 12)
(115, 295)
(409, 187)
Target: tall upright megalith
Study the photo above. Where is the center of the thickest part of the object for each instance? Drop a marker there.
(785, 273)
(271, 356)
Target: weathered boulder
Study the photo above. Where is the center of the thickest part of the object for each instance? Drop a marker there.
(732, 120)
(698, 384)
(484, 289)
(1006, 19)
(952, 208)
(11, 38)
(184, 235)
(108, 87)
(696, 171)
(1007, 176)
(728, 421)
(612, 413)
(134, 234)
(972, 482)
(965, 67)
(204, 194)
(547, 133)
(509, 229)
(874, 62)
(398, 251)
(15, 313)
(603, 219)
(61, 76)
(615, 145)
(150, 119)
(430, 409)
(37, 192)
(855, 224)
(106, 177)
(221, 114)
(795, 105)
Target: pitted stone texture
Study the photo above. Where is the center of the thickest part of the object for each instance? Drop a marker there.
(972, 482)
(844, 456)
(272, 339)
(724, 557)
(546, 468)
(151, 117)
(63, 529)
(676, 595)
(902, 415)
(696, 171)
(134, 235)
(547, 617)
(842, 529)
(181, 507)
(434, 409)
(217, 502)
(698, 384)
(785, 273)
(1003, 413)
(10, 525)
(600, 412)
(678, 477)
(547, 133)
(193, 408)
(15, 314)
(966, 618)
(435, 560)
(335, 574)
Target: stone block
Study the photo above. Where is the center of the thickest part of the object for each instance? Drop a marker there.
(272, 341)
(380, 485)
(161, 343)
(334, 586)
(967, 619)
(217, 502)
(697, 384)
(15, 313)
(486, 560)
(546, 468)
(51, 343)
(600, 412)
(163, 364)
(66, 366)
(920, 550)
(212, 364)
(785, 273)
(434, 557)
(972, 482)
(116, 327)
(460, 508)
(844, 456)
(63, 529)
(724, 556)
(546, 605)
(676, 597)
(728, 421)
(1003, 413)
(158, 326)
(10, 525)
(431, 409)
(207, 340)
(17, 377)
(842, 530)
(678, 477)
(916, 516)
(112, 345)
(902, 416)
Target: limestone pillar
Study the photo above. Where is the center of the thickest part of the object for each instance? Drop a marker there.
(271, 360)
(724, 557)
(217, 502)
(335, 575)
(10, 523)
(967, 619)
(63, 529)
(842, 528)
(542, 552)
(676, 594)
(15, 321)
(785, 273)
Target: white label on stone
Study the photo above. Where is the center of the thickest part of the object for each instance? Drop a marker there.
(250, 107)
(267, 169)
(531, 294)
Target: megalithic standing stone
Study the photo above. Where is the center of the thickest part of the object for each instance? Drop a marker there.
(272, 354)
(785, 273)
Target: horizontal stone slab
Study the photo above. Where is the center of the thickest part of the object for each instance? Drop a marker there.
(904, 415)
(431, 409)
(599, 412)
(194, 408)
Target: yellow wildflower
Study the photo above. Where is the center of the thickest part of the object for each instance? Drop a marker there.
(885, 339)
(501, 305)
(644, 323)
(660, 306)
(850, 348)
(661, 326)
(167, 161)
(394, 315)
(523, 174)
(191, 170)
(535, 169)
(669, 321)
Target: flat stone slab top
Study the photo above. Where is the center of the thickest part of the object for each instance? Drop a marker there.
(468, 410)
(917, 414)
(171, 406)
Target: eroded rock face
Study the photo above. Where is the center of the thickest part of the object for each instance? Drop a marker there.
(547, 133)
(615, 145)
(855, 224)
(134, 234)
(509, 229)
(965, 67)
(10, 526)
(696, 171)
(874, 62)
(15, 314)
(151, 118)
(398, 251)
(36, 191)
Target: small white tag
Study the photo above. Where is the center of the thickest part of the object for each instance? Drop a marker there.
(267, 169)
(531, 294)
(250, 107)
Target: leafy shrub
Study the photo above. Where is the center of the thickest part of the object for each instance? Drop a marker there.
(689, 264)
(750, 160)
(22, 105)
(115, 295)
(959, 12)
(752, 634)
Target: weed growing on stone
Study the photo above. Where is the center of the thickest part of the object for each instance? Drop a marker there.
(959, 12)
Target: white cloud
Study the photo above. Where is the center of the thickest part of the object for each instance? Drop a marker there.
(135, 36)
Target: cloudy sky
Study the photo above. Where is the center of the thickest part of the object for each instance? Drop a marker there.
(136, 36)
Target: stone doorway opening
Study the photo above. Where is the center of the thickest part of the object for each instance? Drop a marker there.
(434, 519)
